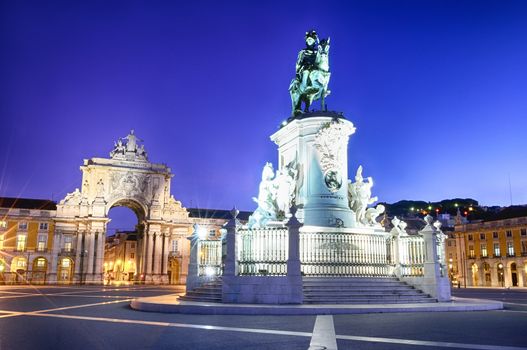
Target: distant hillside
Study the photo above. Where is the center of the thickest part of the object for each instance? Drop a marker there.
(467, 206)
(417, 207)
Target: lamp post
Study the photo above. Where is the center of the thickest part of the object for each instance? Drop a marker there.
(450, 271)
(500, 271)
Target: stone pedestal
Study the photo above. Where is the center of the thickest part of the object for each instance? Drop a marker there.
(317, 145)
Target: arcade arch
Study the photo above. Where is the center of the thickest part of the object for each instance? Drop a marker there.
(39, 270)
(475, 274)
(126, 179)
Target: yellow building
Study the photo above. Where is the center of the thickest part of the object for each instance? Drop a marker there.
(491, 253)
(120, 257)
(26, 240)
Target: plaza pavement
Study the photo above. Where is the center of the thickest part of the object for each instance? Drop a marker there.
(89, 317)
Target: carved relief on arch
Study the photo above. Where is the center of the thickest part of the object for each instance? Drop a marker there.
(130, 185)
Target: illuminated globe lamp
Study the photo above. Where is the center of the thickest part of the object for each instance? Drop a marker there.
(202, 232)
(209, 271)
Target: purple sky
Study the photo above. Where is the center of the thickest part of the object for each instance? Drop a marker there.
(436, 89)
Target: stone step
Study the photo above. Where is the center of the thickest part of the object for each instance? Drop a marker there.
(370, 301)
(201, 292)
(212, 289)
(201, 298)
(208, 292)
(350, 279)
(355, 287)
(377, 292)
(356, 290)
(357, 283)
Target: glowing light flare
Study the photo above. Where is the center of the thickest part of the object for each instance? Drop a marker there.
(209, 271)
(202, 232)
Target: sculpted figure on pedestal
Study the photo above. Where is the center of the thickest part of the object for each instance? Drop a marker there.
(359, 195)
(399, 226)
(73, 198)
(266, 210)
(100, 188)
(276, 195)
(311, 74)
(131, 145)
(373, 213)
(129, 150)
(285, 187)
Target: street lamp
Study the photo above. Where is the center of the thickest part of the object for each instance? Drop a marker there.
(500, 271)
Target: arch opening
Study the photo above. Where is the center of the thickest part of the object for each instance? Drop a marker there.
(127, 222)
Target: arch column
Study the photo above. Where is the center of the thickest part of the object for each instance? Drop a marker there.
(100, 254)
(78, 256)
(158, 243)
(91, 254)
(149, 241)
(164, 256)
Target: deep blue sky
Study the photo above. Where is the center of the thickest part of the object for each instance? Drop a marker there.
(436, 89)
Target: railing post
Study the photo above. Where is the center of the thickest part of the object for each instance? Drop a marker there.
(193, 280)
(294, 274)
(231, 254)
(435, 284)
(293, 260)
(395, 253)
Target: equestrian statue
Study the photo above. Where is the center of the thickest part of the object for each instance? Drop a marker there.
(312, 74)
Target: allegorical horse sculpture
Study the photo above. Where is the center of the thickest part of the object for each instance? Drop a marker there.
(312, 74)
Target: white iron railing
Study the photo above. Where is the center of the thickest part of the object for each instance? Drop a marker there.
(344, 254)
(411, 255)
(209, 260)
(263, 251)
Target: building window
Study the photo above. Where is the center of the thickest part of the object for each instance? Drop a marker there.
(132, 255)
(41, 262)
(495, 235)
(175, 245)
(212, 233)
(21, 263)
(497, 250)
(484, 251)
(65, 262)
(523, 232)
(449, 243)
(470, 237)
(524, 248)
(43, 226)
(21, 241)
(67, 244)
(471, 251)
(1, 242)
(22, 225)
(510, 249)
(3, 224)
(482, 236)
(509, 233)
(132, 245)
(41, 243)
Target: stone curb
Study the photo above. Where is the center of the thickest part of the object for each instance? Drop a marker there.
(171, 304)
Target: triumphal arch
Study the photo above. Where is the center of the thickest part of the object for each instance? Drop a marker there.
(127, 178)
